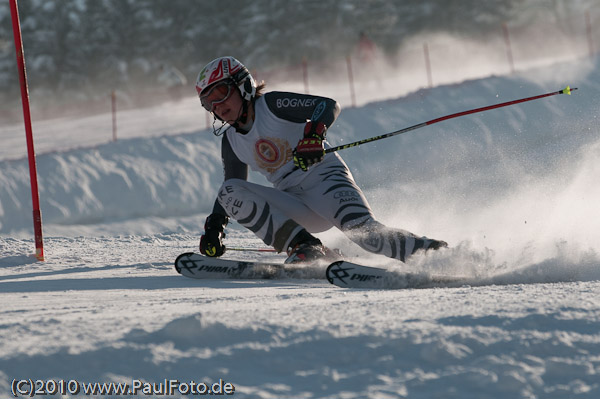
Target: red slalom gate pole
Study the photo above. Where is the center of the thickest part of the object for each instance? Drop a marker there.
(567, 90)
(35, 197)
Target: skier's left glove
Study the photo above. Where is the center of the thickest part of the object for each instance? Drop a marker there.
(211, 242)
(310, 149)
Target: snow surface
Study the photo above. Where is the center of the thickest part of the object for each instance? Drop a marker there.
(514, 191)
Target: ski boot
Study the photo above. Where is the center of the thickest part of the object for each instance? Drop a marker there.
(312, 251)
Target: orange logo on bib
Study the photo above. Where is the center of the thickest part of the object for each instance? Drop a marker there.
(268, 153)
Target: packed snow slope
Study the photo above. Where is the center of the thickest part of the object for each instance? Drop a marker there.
(514, 191)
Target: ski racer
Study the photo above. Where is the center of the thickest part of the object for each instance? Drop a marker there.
(282, 136)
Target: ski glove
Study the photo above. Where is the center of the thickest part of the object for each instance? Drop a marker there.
(211, 242)
(310, 150)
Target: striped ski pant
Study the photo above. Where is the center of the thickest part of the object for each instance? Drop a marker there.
(328, 197)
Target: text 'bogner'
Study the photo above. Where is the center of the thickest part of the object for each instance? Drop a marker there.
(295, 102)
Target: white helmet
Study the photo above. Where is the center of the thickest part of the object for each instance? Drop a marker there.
(224, 68)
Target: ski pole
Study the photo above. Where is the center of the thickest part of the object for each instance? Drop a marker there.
(567, 90)
(251, 249)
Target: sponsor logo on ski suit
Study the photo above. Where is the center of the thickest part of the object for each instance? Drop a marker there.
(271, 153)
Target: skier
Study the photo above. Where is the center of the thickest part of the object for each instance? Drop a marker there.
(282, 136)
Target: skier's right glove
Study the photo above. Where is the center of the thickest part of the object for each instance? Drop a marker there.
(310, 150)
(211, 242)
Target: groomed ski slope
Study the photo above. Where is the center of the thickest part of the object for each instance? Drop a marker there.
(514, 191)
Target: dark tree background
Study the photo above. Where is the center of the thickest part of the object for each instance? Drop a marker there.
(78, 51)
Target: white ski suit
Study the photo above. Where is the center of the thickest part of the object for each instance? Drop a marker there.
(323, 197)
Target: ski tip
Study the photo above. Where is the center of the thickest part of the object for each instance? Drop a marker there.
(568, 90)
(183, 255)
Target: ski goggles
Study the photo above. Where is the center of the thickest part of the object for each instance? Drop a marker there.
(217, 94)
